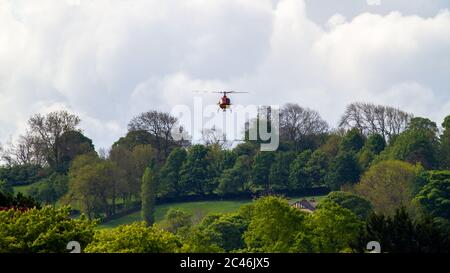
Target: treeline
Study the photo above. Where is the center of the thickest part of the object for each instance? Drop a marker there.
(61, 165)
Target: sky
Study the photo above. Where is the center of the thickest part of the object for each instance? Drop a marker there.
(109, 60)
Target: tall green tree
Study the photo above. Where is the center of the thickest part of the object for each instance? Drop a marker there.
(6, 188)
(401, 233)
(274, 226)
(316, 168)
(221, 231)
(94, 184)
(171, 173)
(71, 144)
(261, 171)
(353, 141)
(132, 162)
(333, 228)
(435, 195)
(148, 199)
(235, 180)
(298, 179)
(374, 145)
(195, 176)
(389, 185)
(50, 131)
(279, 171)
(445, 144)
(344, 169)
(418, 144)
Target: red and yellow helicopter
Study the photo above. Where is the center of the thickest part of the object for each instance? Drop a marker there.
(224, 102)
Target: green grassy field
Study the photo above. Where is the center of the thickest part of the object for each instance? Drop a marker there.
(22, 189)
(198, 209)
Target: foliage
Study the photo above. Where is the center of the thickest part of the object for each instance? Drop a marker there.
(297, 172)
(332, 228)
(359, 206)
(301, 127)
(23, 174)
(435, 195)
(177, 219)
(132, 164)
(71, 144)
(42, 230)
(279, 171)
(389, 184)
(374, 145)
(316, 169)
(134, 238)
(160, 125)
(352, 141)
(19, 201)
(344, 169)
(418, 144)
(6, 188)
(133, 139)
(171, 173)
(401, 234)
(195, 178)
(445, 144)
(51, 189)
(221, 232)
(92, 183)
(273, 226)
(149, 188)
(234, 180)
(261, 171)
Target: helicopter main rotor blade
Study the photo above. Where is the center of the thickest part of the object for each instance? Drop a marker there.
(228, 92)
(218, 92)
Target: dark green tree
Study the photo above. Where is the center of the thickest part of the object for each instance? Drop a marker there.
(418, 144)
(149, 188)
(279, 171)
(261, 171)
(222, 230)
(401, 234)
(274, 226)
(72, 144)
(234, 180)
(6, 188)
(352, 141)
(177, 220)
(344, 169)
(435, 195)
(316, 168)
(445, 144)
(171, 173)
(195, 176)
(46, 230)
(298, 177)
(359, 206)
(374, 145)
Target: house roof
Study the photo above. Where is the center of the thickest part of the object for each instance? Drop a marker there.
(305, 204)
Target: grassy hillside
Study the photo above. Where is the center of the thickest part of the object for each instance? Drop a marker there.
(23, 189)
(198, 209)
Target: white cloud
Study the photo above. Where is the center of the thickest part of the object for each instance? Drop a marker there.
(110, 60)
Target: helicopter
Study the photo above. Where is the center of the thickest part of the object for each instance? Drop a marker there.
(224, 102)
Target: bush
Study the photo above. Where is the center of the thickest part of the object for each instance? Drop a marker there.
(42, 230)
(134, 238)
